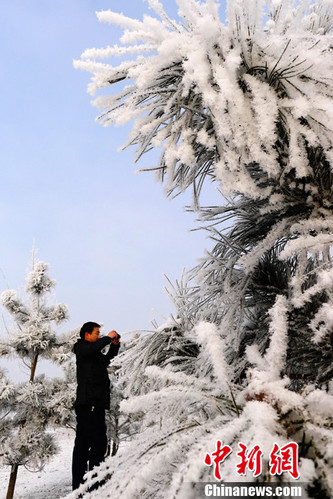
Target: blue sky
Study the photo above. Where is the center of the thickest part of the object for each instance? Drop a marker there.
(107, 233)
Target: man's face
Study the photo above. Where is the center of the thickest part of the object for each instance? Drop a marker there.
(93, 336)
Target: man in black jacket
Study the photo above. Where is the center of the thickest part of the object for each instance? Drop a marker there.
(92, 398)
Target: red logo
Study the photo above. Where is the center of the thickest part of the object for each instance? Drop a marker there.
(251, 460)
(284, 459)
(219, 456)
(281, 459)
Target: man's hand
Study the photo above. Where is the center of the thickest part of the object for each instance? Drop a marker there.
(114, 336)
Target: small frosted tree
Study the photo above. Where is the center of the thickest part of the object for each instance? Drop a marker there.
(27, 408)
(246, 104)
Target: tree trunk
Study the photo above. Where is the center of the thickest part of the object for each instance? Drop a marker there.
(33, 368)
(14, 468)
(12, 481)
(114, 449)
(115, 444)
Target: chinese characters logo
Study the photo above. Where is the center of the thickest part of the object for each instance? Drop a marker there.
(281, 459)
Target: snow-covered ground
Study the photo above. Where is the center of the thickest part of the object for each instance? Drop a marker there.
(53, 482)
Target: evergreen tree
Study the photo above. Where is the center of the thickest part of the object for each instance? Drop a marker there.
(245, 104)
(29, 407)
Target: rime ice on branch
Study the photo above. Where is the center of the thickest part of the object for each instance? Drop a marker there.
(247, 104)
(218, 97)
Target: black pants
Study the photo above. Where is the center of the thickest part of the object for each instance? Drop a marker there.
(90, 442)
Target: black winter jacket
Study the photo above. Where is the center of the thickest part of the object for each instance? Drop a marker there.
(93, 384)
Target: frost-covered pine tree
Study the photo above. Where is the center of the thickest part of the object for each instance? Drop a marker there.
(28, 408)
(244, 103)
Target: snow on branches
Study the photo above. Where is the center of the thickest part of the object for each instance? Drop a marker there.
(38, 282)
(174, 423)
(34, 332)
(217, 96)
(245, 103)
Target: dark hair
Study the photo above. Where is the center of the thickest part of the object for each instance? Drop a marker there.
(88, 327)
